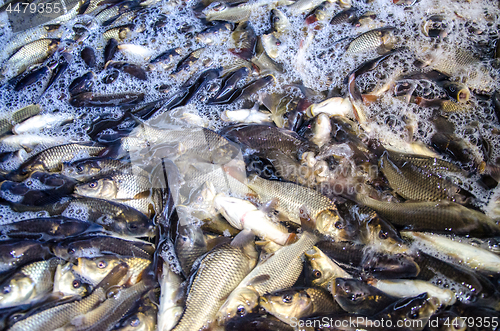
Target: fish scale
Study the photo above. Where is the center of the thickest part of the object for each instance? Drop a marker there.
(219, 273)
(30, 54)
(291, 197)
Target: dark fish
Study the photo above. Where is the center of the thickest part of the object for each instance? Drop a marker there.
(264, 138)
(346, 16)
(82, 84)
(229, 84)
(99, 245)
(110, 49)
(207, 35)
(455, 147)
(344, 253)
(166, 56)
(88, 56)
(19, 253)
(129, 68)
(189, 60)
(58, 69)
(389, 266)
(31, 78)
(441, 217)
(89, 99)
(52, 158)
(317, 14)
(112, 216)
(47, 228)
(421, 178)
(456, 91)
(357, 297)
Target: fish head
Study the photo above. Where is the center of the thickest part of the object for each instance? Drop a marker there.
(287, 304)
(67, 283)
(16, 290)
(319, 271)
(139, 321)
(233, 209)
(382, 265)
(416, 308)
(101, 188)
(354, 294)
(381, 234)
(242, 301)
(331, 224)
(95, 269)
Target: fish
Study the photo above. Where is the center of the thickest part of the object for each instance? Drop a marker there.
(357, 297)
(90, 99)
(231, 262)
(143, 318)
(86, 169)
(171, 299)
(421, 179)
(348, 15)
(115, 186)
(67, 284)
(190, 244)
(99, 245)
(38, 122)
(129, 68)
(94, 270)
(279, 21)
(35, 76)
(88, 56)
(252, 115)
(244, 215)
(279, 271)
(60, 315)
(460, 253)
(30, 284)
(20, 253)
(441, 216)
(29, 55)
(82, 84)
(228, 85)
(381, 39)
(291, 304)
(321, 270)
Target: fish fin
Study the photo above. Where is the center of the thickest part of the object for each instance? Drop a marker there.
(114, 277)
(270, 205)
(253, 198)
(78, 320)
(306, 221)
(243, 238)
(291, 239)
(258, 280)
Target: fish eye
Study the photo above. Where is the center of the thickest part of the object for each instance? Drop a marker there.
(71, 251)
(241, 311)
(316, 274)
(287, 298)
(132, 226)
(6, 290)
(414, 315)
(93, 185)
(339, 225)
(383, 234)
(79, 169)
(77, 283)
(102, 264)
(135, 322)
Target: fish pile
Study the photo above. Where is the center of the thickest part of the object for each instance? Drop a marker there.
(250, 165)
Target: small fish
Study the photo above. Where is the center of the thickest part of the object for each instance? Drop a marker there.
(32, 77)
(82, 84)
(31, 283)
(252, 115)
(135, 51)
(114, 186)
(166, 56)
(279, 21)
(244, 215)
(346, 16)
(88, 56)
(220, 271)
(357, 297)
(89, 99)
(332, 107)
(293, 304)
(30, 54)
(58, 316)
(171, 299)
(110, 49)
(381, 39)
(66, 283)
(99, 245)
(279, 271)
(20, 253)
(321, 270)
(39, 122)
(119, 33)
(94, 270)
